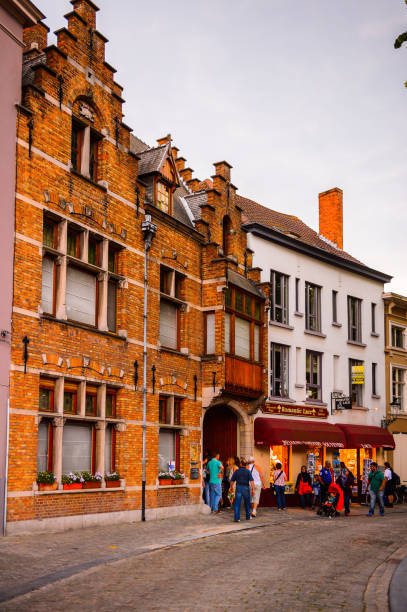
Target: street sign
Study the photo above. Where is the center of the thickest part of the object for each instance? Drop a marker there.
(343, 403)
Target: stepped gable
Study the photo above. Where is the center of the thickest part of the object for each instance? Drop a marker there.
(287, 224)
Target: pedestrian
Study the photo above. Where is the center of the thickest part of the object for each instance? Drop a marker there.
(389, 485)
(230, 469)
(316, 490)
(215, 469)
(376, 489)
(243, 484)
(326, 479)
(258, 479)
(205, 481)
(346, 480)
(304, 488)
(279, 478)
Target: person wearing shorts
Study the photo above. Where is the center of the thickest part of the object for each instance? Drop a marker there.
(258, 484)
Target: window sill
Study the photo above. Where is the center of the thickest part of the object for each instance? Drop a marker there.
(172, 487)
(361, 408)
(284, 325)
(299, 386)
(174, 300)
(168, 425)
(298, 314)
(80, 491)
(336, 324)
(47, 250)
(87, 418)
(165, 349)
(374, 396)
(274, 398)
(309, 332)
(207, 358)
(375, 335)
(89, 180)
(83, 326)
(315, 402)
(355, 343)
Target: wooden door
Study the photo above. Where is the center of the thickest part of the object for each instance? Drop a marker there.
(220, 432)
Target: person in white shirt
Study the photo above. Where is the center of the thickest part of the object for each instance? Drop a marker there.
(258, 484)
(389, 484)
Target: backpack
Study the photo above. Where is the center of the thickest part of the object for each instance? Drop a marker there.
(395, 478)
(326, 476)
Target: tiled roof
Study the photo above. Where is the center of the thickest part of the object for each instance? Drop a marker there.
(180, 206)
(137, 145)
(194, 202)
(28, 73)
(244, 283)
(151, 159)
(287, 224)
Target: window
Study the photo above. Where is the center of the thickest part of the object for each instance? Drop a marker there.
(73, 243)
(93, 156)
(110, 443)
(168, 449)
(164, 410)
(163, 197)
(312, 307)
(210, 333)
(169, 331)
(80, 295)
(177, 411)
(279, 370)
(179, 285)
(297, 295)
(44, 448)
(50, 233)
(91, 401)
(70, 398)
(373, 312)
(397, 337)
(354, 319)
(48, 285)
(165, 281)
(374, 381)
(46, 395)
(77, 448)
(313, 375)
(226, 228)
(111, 305)
(279, 297)
(110, 403)
(334, 306)
(76, 146)
(112, 260)
(83, 139)
(397, 388)
(243, 325)
(356, 383)
(94, 252)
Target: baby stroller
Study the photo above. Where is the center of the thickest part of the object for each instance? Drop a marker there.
(334, 503)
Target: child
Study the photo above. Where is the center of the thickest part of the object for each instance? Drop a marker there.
(316, 489)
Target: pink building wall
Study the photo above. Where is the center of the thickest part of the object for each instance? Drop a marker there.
(14, 15)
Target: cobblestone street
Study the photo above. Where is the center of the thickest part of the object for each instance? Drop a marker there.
(283, 561)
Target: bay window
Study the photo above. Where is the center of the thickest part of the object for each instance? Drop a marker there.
(243, 325)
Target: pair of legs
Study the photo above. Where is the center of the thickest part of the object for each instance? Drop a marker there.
(346, 499)
(242, 492)
(316, 498)
(207, 494)
(216, 494)
(373, 498)
(305, 500)
(280, 495)
(255, 499)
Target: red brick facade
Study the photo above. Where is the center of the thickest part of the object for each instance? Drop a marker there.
(83, 189)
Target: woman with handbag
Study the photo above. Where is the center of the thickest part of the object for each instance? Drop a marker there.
(279, 478)
(303, 486)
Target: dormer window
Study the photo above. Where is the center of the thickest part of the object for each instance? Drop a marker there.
(163, 197)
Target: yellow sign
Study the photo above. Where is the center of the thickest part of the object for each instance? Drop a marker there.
(358, 375)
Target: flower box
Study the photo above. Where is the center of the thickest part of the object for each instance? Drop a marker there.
(47, 487)
(91, 485)
(112, 484)
(165, 482)
(178, 481)
(74, 485)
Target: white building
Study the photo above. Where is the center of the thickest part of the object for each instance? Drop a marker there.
(325, 317)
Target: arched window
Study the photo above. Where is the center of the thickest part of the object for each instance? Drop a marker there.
(226, 227)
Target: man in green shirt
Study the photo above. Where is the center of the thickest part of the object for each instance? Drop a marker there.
(376, 489)
(215, 469)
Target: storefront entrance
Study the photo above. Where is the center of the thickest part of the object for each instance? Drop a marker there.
(220, 432)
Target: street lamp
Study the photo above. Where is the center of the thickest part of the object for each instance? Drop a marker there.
(149, 230)
(395, 407)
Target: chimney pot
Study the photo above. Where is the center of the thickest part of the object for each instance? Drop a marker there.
(331, 215)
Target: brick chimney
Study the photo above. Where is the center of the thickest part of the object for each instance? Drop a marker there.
(331, 215)
(87, 10)
(36, 37)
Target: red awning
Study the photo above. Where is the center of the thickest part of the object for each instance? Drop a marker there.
(366, 436)
(270, 431)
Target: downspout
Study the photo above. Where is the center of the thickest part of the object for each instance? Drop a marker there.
(149, 230)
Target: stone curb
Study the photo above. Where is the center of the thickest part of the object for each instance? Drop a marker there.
(376, 596)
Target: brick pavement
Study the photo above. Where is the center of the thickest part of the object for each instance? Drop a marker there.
(291, 561)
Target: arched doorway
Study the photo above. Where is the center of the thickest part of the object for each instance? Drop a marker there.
(220, 431)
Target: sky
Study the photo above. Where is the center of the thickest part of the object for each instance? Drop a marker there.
(299, 97)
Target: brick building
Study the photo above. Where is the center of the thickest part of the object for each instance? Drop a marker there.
(84, 187)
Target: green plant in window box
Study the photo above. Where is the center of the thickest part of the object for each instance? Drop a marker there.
(73, 480)
(46, 481)
(112, 479)
(91, 481)
(170, 478)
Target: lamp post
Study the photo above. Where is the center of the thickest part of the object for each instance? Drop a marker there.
(395, 407)
(149, 230)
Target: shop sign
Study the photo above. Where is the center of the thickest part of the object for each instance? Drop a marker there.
(358, 375)
(317, 412)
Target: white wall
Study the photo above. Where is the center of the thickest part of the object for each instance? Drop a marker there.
(269, 256)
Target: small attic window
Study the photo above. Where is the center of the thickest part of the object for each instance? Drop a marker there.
(163, 197)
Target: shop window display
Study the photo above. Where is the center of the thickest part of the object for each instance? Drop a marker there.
(280, 454)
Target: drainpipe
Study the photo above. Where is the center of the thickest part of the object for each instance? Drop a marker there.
(6, 470)
(149, 231)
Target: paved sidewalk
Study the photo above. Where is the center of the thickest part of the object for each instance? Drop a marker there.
(398, 588)
(30, 563)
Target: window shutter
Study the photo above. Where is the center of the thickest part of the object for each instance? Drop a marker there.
(80, 296)
(168, 325)
(111, 306)
(242, 338)
(42, 453)
(210, 333)
(47, 301)
(76, 449)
